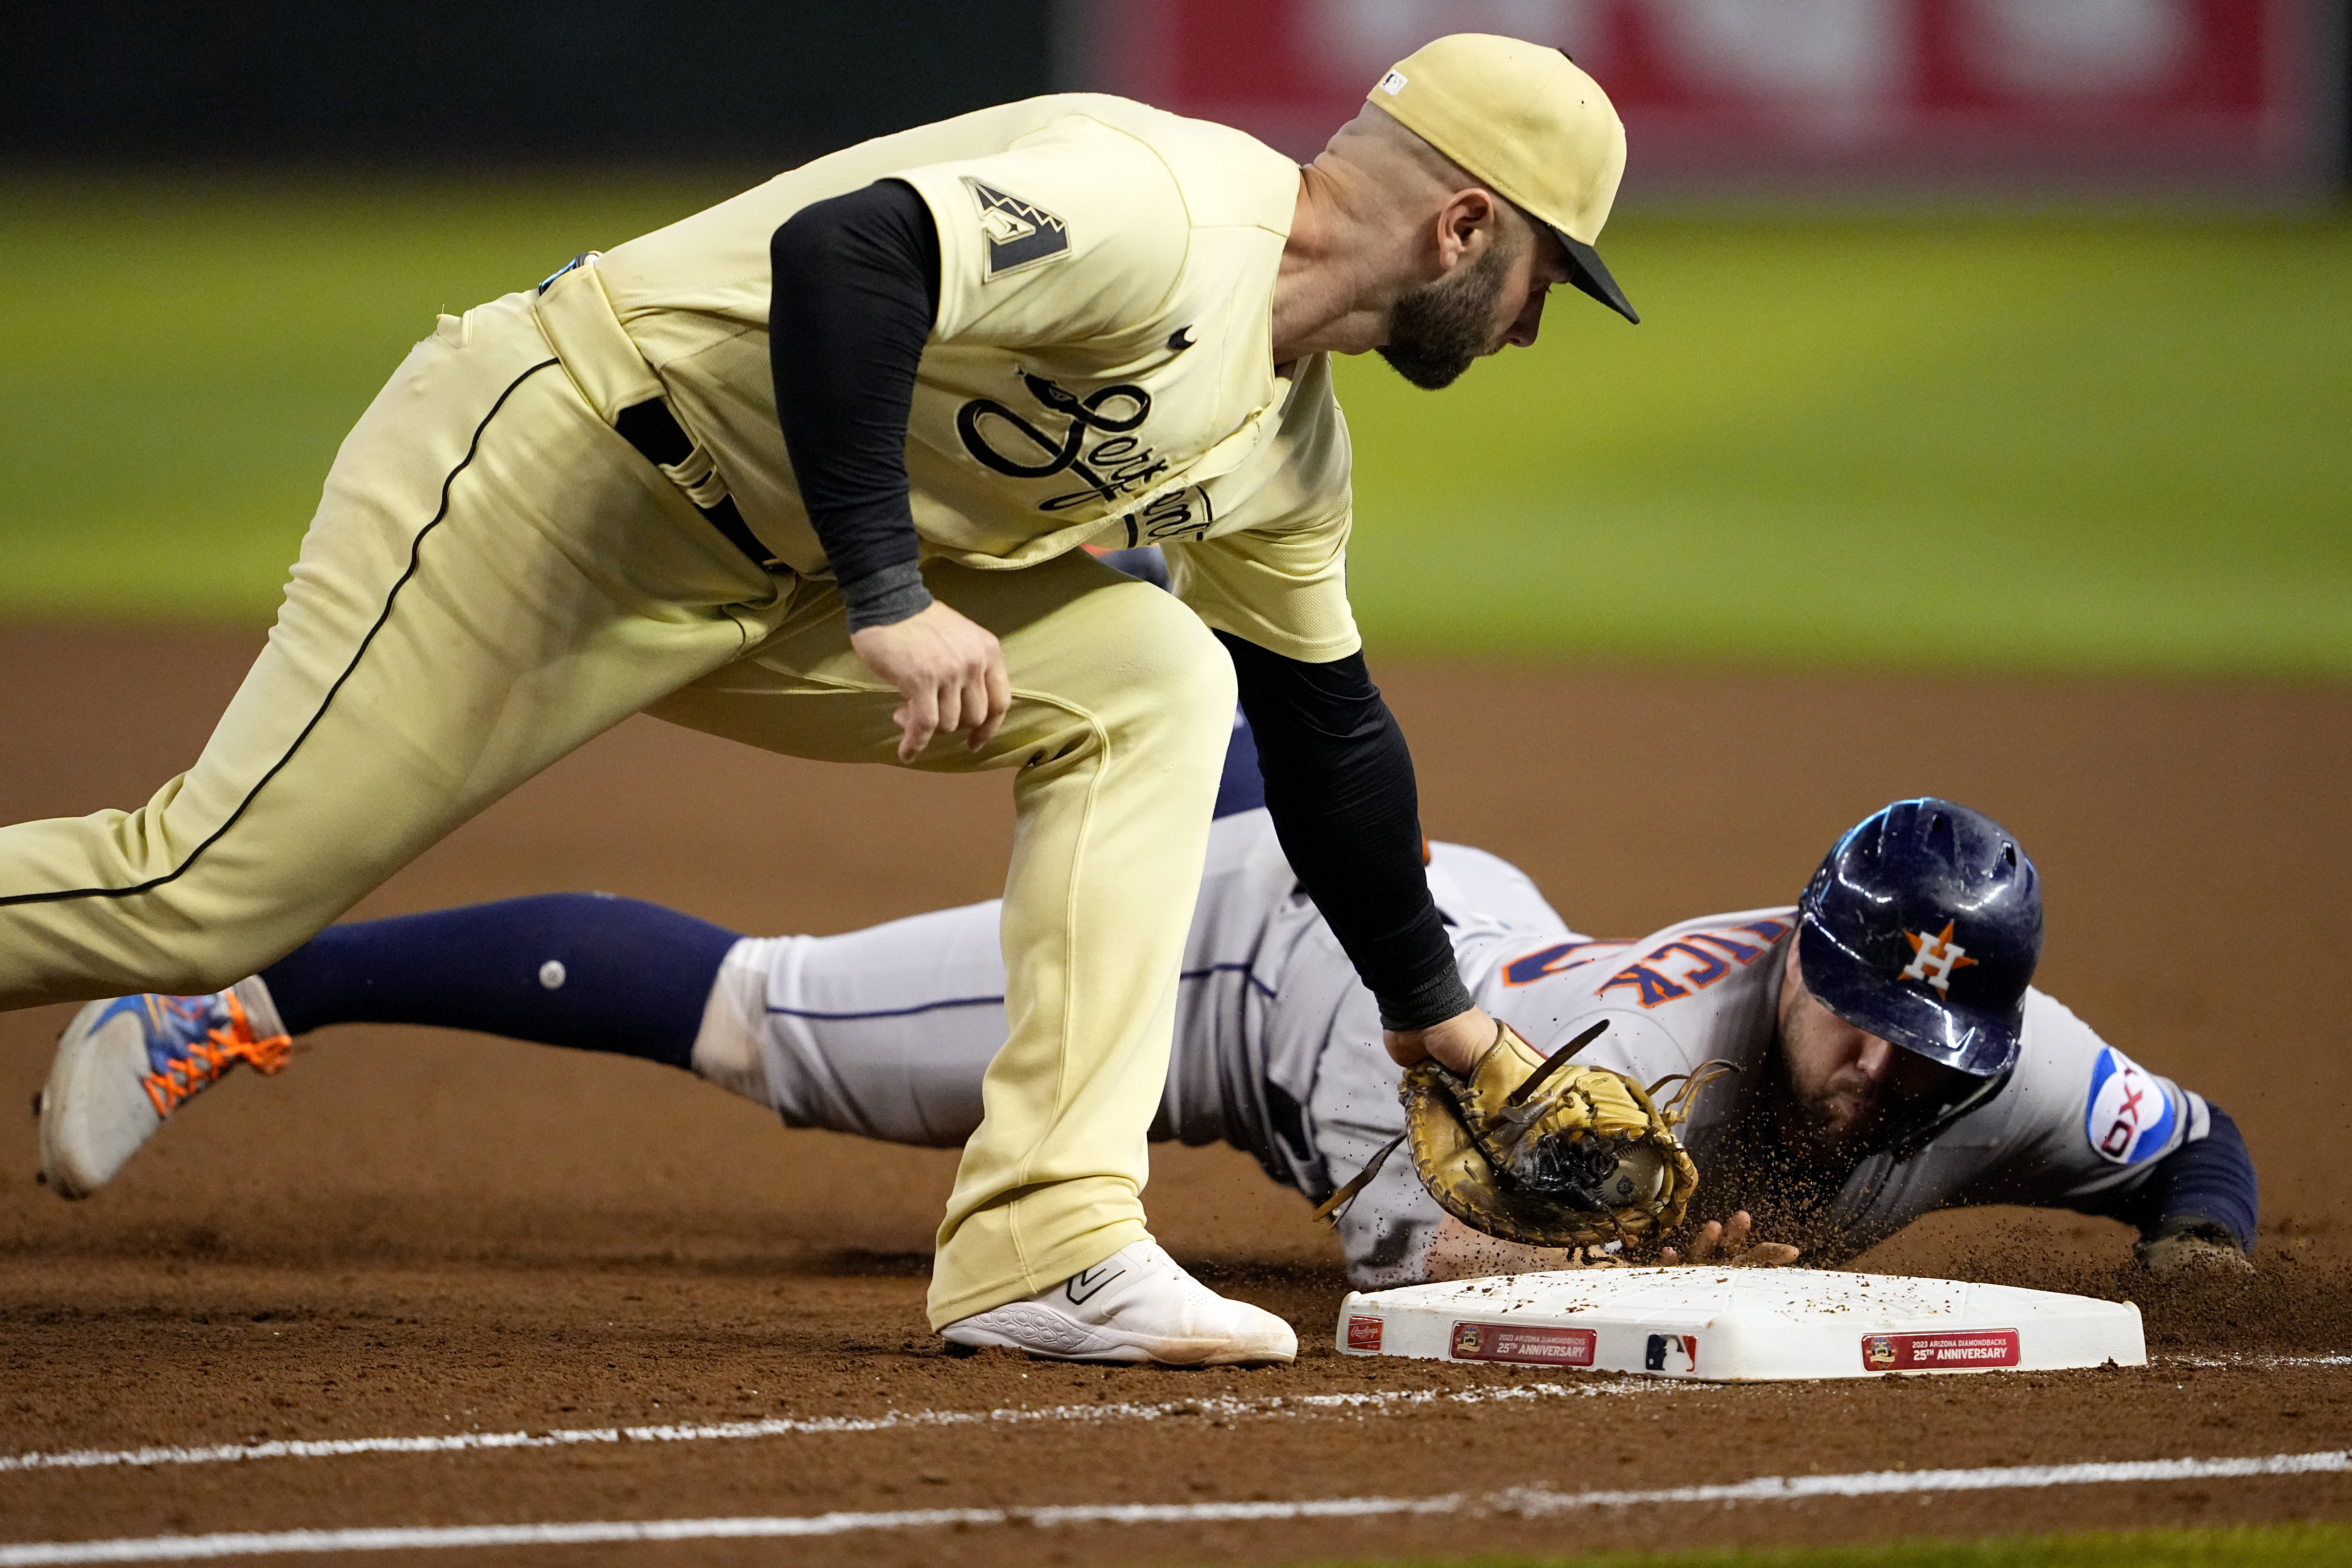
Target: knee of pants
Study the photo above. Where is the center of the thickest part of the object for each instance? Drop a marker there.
(1176, 687)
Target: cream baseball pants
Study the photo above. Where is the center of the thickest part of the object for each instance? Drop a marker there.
(493, 578)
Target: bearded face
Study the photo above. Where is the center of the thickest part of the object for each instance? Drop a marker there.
(1842, 1087)
(1439, 328)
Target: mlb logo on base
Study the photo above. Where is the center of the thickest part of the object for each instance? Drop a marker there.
(1671, 1353)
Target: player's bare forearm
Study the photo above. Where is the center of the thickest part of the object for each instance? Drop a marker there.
(950, 669)
(1457, 1042)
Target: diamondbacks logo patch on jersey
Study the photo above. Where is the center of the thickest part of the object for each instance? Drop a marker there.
(1020, 234)
(1932, 958)
(2129, 1118)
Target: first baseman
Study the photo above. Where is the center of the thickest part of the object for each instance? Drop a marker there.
(811, 470)
(1831, 1134)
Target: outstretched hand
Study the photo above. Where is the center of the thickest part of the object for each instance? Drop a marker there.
(950, 669)
(1727, 1246)
(2188, 1254)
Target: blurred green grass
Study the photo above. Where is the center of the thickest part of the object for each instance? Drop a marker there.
(1944, 443)
(1959, 444)
(180, 360)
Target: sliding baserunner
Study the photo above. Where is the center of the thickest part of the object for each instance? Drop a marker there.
(1893, 1060)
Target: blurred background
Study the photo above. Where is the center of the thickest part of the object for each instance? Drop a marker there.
(1978, 334)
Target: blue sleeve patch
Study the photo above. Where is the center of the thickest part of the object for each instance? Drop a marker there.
(2130, 1117)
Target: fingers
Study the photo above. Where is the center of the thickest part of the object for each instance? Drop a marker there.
(1760, 1255)
(972, 692)
(1703, 1243)
(949, 674)
(987, 695)
(1727, 1245)
(919, 721)
(997, 689)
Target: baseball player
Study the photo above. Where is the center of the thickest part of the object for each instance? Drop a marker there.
(811, 470)
(1893, 1058)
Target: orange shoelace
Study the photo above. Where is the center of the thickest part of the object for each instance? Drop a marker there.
(206, 1060)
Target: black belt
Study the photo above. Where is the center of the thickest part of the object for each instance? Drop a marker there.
(661, 440)
(655, 432)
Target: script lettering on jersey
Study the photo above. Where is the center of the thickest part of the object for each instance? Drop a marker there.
(1020, 234)
(1178, 515)
(1118, 463)
(1694, 961)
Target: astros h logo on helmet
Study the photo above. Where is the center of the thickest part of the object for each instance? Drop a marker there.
(1932, 958)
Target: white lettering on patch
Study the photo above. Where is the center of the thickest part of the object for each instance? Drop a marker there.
(2129, 1117)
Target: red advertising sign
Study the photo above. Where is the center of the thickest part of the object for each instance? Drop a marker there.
(1521, 1342)
(1364, 1333)
(1744, 97)
(1960, 1351)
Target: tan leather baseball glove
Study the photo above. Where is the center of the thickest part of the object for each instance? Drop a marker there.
(1547, 1153)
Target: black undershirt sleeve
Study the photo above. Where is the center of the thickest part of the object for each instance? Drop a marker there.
(857, 290)
(1339, 786)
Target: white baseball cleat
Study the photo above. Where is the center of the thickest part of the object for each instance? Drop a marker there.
(126, 1063)
(1137, 1305)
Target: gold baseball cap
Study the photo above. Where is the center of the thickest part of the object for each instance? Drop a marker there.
(1527, 121)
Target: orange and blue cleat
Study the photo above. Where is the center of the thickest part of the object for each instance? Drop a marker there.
(125, 1064)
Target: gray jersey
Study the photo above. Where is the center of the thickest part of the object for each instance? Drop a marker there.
(885, 1032)
(2077, 1118)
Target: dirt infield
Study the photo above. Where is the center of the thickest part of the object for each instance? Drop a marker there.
(421, 1236)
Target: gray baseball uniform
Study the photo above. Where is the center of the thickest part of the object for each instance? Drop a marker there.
(885, 1033)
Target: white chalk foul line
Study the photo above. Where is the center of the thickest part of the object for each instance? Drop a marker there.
(1520, 1502)
(787, 1426)
(2253, 1359)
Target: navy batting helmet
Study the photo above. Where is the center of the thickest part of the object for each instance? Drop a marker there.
(1922, 927)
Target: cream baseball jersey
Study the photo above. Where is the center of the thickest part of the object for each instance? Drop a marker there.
(1099, 371)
